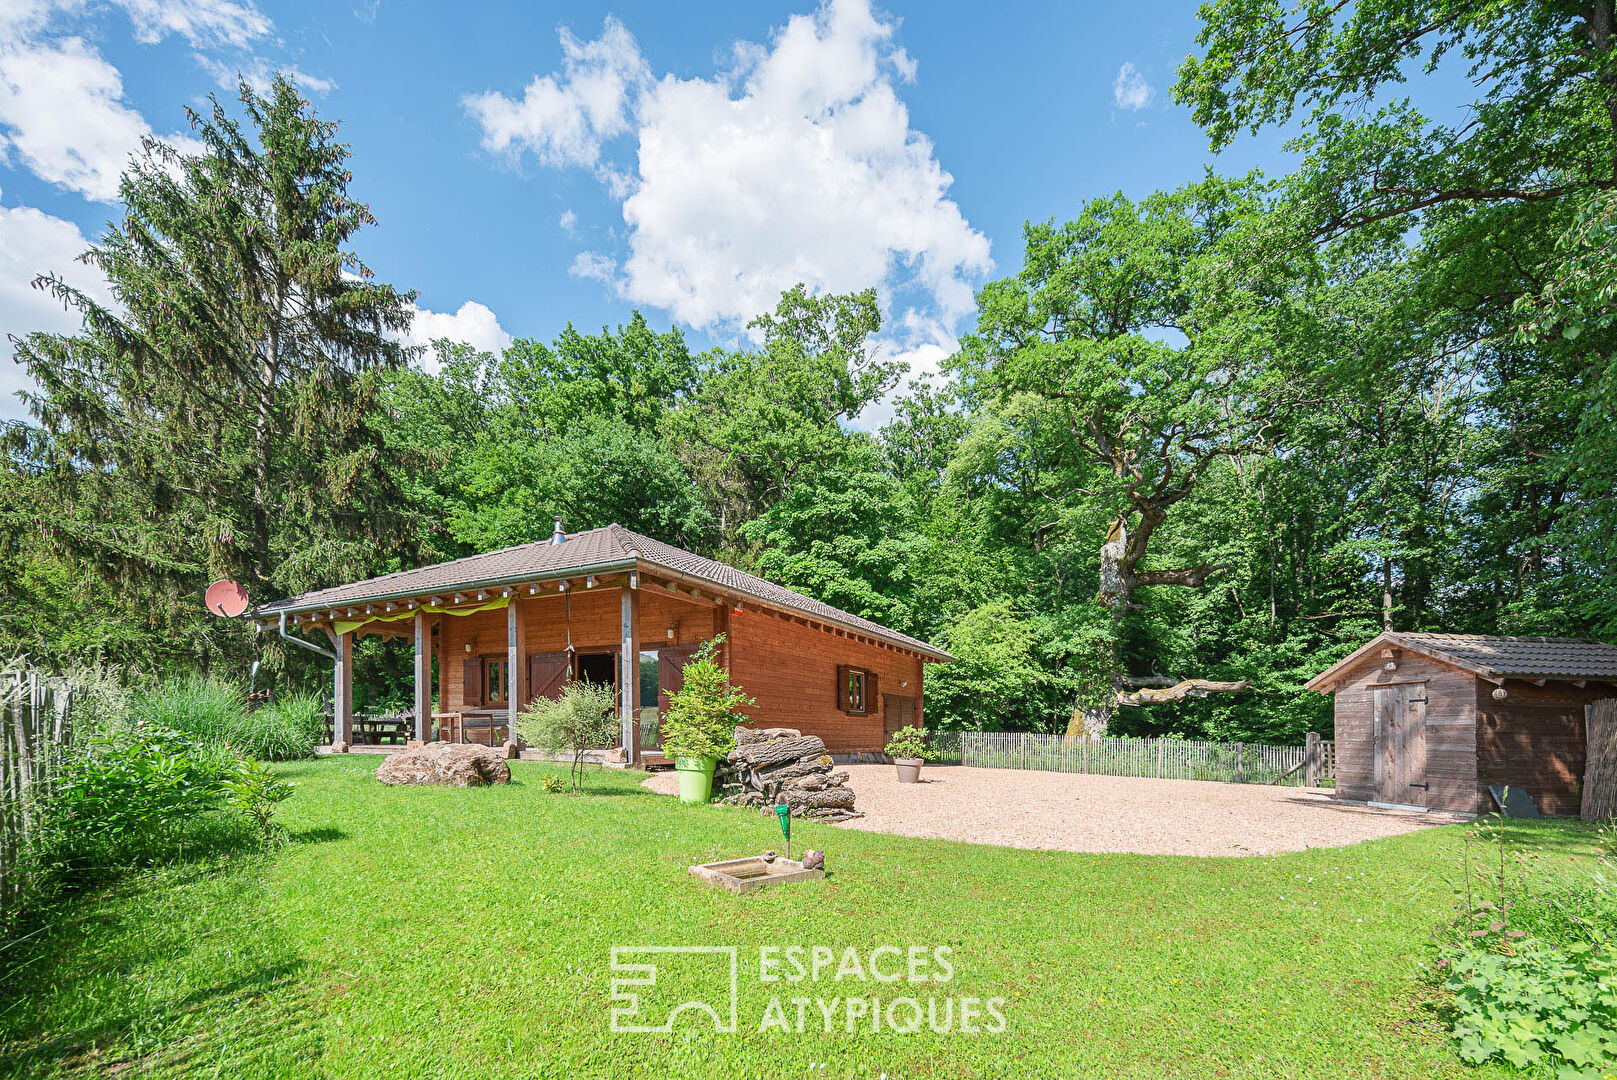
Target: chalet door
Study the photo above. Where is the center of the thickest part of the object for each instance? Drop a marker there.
(897, 712)
(1400, 734)
(547, 675)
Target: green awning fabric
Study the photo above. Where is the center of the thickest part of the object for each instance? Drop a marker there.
(344, 626)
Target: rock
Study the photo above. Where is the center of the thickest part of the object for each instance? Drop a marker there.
(448, 764)
(617, 756)
(511, 750)
(813, 860)
(339, 748)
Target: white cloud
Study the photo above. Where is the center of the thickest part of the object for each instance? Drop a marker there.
(568, 221)
(62, 115)
(62, 110)
(593, 266)
(34, 243)
(473, 324)
(563, 121)
(201, 22)
(1130, 90)
(259, 73)
(799, 165)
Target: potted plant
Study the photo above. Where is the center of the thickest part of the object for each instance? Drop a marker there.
(700, 725)
(905, 748)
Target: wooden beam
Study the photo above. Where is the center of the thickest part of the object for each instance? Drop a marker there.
(629, 676)
(342, 706)
(516, 659)
(423, 677)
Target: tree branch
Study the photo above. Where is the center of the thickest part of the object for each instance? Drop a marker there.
(1179, 691)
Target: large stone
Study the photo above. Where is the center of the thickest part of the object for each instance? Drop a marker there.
(448, 764)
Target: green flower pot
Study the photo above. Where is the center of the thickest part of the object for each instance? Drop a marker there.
(695, 778)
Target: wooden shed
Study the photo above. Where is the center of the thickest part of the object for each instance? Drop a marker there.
(1434, 720)
(619, 608)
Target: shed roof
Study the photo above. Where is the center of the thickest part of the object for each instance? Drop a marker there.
(1497, 657)
(608, 548)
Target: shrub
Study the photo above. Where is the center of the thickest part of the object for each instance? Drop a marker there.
(215, 712)
(254, 791)
(289, 728)
(128, 797)
(703, 714)
(552, 785)
(907, 742)
(1532, 967)
(581, 719)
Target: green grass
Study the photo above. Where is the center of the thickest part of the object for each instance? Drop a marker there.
(466, 933)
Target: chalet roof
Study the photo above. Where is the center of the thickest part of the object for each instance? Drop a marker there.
(1497, 657)
(593, 551)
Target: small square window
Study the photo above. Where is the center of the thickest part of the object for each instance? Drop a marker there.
(853, 691)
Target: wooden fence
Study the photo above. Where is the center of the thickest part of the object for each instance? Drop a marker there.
(35, 727)
(1312, 764)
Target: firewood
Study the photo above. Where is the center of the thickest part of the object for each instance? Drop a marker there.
(777, 750)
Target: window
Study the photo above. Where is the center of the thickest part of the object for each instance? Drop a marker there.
(856, 690)
(496, 682)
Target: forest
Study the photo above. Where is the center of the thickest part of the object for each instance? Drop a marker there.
(1210, 439)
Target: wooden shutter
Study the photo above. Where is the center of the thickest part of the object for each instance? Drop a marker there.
(547, 675)
(471, 681)
(842, 687)
(872, 697)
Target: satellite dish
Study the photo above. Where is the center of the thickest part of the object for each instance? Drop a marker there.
(225, 598)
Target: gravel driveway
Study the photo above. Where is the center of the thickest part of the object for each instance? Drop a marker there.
(1068, 812)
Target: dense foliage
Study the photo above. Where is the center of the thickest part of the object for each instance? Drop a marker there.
(1206, 440)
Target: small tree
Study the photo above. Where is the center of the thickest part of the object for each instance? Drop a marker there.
(580, 719)
(703, 714)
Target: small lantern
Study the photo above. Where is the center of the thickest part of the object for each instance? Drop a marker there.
(1499, 693)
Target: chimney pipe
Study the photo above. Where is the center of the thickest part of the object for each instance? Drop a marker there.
(560, 535)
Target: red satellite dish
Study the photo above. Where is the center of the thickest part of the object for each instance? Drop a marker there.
(225, 598)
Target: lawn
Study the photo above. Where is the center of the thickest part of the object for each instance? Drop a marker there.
(445, 933)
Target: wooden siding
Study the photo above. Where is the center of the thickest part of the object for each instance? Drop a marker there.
(1535, 739)
(789, 667)
(595, 623)
(1451, 746)
(792, 670)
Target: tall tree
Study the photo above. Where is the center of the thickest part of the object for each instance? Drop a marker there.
(1165, 335)
(224, 413)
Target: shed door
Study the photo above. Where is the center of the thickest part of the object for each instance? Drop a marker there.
(1400, 733)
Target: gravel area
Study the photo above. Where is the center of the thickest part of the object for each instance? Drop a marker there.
(1067, 812)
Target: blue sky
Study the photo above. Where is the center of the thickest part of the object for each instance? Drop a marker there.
(535, 164)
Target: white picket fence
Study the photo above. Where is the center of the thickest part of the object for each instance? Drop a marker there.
(1167, 759)
(34, 732)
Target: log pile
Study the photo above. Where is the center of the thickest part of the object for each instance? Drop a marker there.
(779, 765)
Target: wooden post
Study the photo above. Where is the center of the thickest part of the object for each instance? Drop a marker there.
(1240, 763)
(1024, 750)
(721, 619)
(423, 676)
(629, 675)
(1311, 754)
(516, 665)
(1159, 759)
(342, 705)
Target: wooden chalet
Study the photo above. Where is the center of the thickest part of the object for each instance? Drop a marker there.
(1435, 720)
(612, 606)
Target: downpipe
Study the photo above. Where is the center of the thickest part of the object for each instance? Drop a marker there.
(311, 646)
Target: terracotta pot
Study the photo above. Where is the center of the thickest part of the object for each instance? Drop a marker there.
(909, 769)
